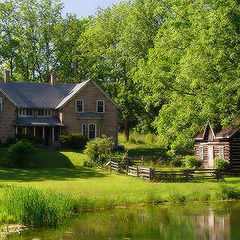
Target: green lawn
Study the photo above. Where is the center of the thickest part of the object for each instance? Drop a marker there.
(97, 189)
(71, 177)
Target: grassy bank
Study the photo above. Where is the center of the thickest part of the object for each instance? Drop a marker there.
(62, 186)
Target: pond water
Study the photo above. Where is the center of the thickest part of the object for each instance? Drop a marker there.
(218, 221)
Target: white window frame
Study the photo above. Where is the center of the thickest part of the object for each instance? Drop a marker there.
(82, 106)
(201, 153)
(22, 112)
(84, 132)
(221, 152)
(89, 130)
(45, 113)
(103, 106)
(1, 104)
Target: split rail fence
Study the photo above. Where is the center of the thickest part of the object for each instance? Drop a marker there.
(170, 176)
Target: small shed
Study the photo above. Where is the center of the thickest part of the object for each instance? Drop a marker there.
(223, 143)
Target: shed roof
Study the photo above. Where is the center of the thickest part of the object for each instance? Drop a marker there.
(44, 121)
(226, 132)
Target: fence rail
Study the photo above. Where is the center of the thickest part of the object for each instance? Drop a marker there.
(173, 176)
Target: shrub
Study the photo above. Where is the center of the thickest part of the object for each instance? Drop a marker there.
(176, 162)
(9, 142)
(36, 140)
(73, 140)
(88, 163)
(192, 162)
(220, 163)
(20, 151)
(99, 150)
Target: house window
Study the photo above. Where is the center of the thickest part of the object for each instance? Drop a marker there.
(44, 113)
(84, 132)
(92, 131)
(100, 106)
(221, 152)
(25, 112)
(201, 153)
(79, 105)
(1, 104)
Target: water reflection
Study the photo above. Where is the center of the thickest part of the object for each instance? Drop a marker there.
(195, 221)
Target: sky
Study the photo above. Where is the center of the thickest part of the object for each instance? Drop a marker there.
(84, 8)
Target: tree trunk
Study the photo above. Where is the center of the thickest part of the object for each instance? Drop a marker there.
(126, 129)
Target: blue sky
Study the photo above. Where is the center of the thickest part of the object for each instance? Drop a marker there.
(86, 7)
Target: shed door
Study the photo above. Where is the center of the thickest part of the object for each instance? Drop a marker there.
(210, 156)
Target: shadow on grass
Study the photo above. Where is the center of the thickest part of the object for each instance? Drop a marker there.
(59, 174)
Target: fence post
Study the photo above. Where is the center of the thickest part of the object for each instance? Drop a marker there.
(218, 174)
(152, 172)
(142, 160)
(138, 172)
(127, 169)
(187, 175)
(110, 166)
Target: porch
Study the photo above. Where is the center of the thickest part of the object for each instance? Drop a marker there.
(49, 130)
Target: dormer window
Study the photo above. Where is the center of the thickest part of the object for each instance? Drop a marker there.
(44, 113)
(25, 112)
(79, 106)
(100, 106)
(1, 104)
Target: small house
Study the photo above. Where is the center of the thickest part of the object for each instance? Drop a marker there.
(223, 143)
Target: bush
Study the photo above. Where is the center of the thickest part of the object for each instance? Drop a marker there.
(176, 162)
(20, 151)
(192, 162)
(73, 140)
(9, 142)
(88, 163)
(36, 140)
(220, 163)
(99, 150)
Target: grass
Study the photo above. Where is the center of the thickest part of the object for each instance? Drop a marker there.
(48, 194)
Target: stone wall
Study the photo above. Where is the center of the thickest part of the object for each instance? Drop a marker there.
(108, 125)
(7, 118)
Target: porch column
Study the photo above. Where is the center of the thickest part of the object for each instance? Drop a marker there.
(16, 130)
(25, 130)
(53, 136)
(43, 132)
(34, 131)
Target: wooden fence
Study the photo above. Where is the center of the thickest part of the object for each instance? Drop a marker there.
(171, 176)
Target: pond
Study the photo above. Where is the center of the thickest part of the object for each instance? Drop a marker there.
(218, 221)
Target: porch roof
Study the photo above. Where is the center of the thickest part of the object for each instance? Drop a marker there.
(43, 121)
(90, 116)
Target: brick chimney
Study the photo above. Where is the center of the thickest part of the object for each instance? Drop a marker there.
(6, 76)
(53, 78)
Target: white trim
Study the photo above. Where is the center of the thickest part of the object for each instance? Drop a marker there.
(44, 115)
(95, 130)
(84, 124)
(1, 102)
(74, 92)
(82, 106)
(8, 97)
(103, 105)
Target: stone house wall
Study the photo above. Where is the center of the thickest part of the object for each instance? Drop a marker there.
(7, 118)
(108, 125)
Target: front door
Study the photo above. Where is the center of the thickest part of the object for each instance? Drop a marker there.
(210, 156)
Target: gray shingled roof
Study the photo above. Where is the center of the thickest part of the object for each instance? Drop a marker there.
(89, 116)
(31, 121)
(38, 95)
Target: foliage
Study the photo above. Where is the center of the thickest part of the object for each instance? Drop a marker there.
(9, 142)
(88, 163)
(220, 163)
(36, 207)
(176, 162)
(99, 150)
(20, 152)
(36, 140)
(73, 140)
(192, 162)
